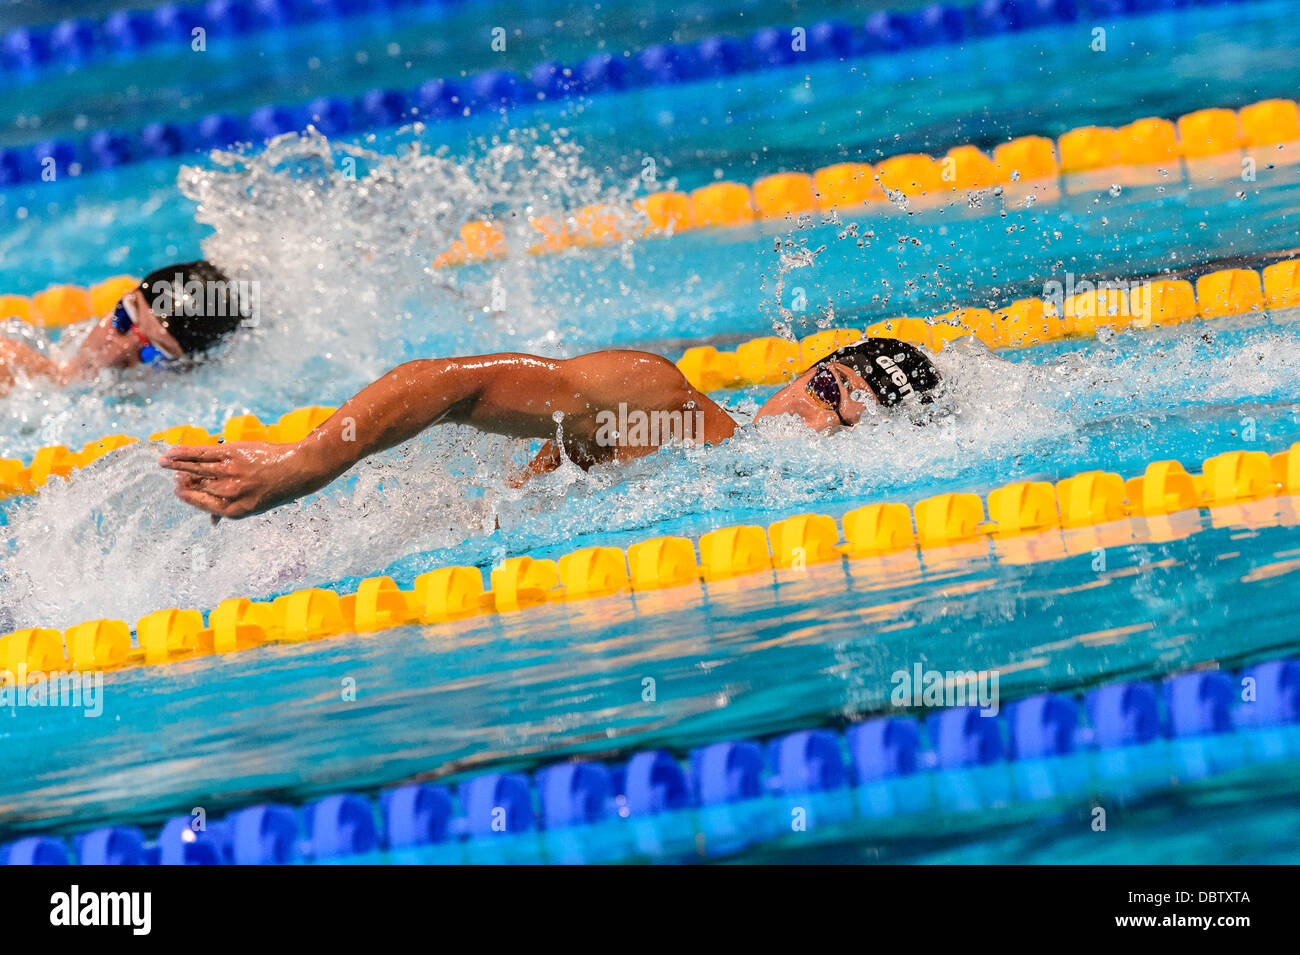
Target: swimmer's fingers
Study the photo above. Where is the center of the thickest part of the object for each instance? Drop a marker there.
(204, 460)
(197, 452)
(232, 480)
(217, 485)
(220, 496)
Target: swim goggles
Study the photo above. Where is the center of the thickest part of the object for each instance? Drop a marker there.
(124, 323)
(824, 388)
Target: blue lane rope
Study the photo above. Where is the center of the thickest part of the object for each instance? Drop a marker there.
(126, 34)
(1120, 738)
(495, 90)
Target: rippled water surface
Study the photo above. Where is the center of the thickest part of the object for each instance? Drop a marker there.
(736, 659)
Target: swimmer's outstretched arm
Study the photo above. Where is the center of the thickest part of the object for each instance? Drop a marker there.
(511, 394)
(15, 357)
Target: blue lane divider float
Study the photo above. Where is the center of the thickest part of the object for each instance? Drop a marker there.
(126, 34)
(1039, 738)
(492, 91)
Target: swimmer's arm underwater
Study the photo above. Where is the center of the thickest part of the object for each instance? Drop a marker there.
(510, 394)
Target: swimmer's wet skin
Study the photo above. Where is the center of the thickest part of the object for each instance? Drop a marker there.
(525, 396)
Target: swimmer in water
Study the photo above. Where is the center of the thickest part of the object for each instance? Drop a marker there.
(524, 396)
(173, 320)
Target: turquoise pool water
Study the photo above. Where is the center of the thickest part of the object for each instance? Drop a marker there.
(929, 99)
(738, 660)
(350, 55)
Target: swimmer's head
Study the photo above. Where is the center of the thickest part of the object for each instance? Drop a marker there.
(179, 312)
(855, 380)
(195, 304)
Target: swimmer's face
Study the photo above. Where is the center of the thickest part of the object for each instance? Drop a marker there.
(796, 399)
(105, 347)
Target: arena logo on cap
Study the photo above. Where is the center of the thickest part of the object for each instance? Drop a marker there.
(896, 374)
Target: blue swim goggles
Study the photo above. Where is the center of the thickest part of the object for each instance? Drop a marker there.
(123, 323)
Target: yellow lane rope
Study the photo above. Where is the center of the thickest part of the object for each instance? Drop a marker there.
(1026, 521)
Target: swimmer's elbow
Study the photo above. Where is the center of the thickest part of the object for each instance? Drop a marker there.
(440, 385)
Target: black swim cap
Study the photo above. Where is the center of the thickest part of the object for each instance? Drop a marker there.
(892, 369)
(196, 303)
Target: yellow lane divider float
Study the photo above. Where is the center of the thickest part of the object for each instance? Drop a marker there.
(67, 304)
(772, 360)
(1024, 322)
(1151, 141)
(1023, 514)
(17, 477)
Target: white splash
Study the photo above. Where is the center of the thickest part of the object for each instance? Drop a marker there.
(342, 240)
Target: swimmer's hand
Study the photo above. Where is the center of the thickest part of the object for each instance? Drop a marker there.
(243, 477)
